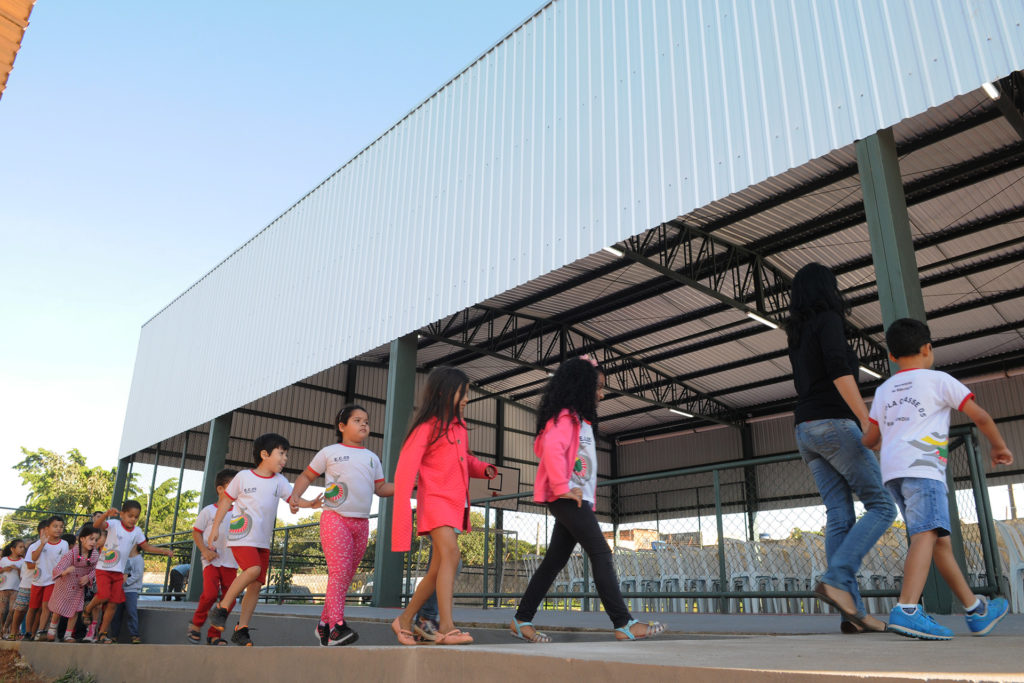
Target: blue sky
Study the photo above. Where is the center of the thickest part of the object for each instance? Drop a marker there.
(143, 142)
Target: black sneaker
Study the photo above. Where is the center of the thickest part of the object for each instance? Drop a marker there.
(241, 637)
(341, 634)
(218, 617)
(322, 633)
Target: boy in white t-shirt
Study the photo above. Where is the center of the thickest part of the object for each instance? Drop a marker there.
(42, 557)
(122, 537)
(910, 418)
(252, 497)
(219, 566)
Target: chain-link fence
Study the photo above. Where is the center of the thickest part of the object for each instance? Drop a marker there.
(734, 537)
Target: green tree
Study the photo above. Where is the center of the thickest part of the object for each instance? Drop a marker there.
(58, 484)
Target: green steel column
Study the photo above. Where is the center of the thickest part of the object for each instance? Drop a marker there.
(216, 454)
(152, 487)
(892, 249)
(499, 514)
(892, 246)
(750, 494)
(387, 566)
(120, 482)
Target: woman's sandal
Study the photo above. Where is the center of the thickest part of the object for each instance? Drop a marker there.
(454, 637)
(538, 637)
(653, 629)
(216, 641)
(404, 635)
(194, 635)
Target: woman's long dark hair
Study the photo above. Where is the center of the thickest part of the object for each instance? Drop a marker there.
(574, 386)
(438, 400)
(814, 291)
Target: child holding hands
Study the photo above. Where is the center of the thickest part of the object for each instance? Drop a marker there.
(567, 481)
(352, 475)
(75, 569)
(910, 420)
(437, 451)
(122, 536)
(253, 495)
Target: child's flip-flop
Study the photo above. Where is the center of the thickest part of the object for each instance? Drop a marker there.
(194, 635)
(454, 637)
(538, 637)
(404, 635)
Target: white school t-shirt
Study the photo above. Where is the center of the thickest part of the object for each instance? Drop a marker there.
(26, 576)
(350, 476)
(584, 468)
(204, 524)
(118, 546)
(10, 581)
(48, 559)
(911, 409)
(255, 507)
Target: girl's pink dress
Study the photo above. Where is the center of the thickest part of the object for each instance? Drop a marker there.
(68, 596)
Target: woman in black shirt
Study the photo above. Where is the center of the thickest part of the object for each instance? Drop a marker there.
(830, 417)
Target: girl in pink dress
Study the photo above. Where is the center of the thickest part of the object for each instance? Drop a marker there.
(72, 573)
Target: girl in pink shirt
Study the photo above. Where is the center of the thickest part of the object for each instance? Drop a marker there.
(436, 451)
(566, 481)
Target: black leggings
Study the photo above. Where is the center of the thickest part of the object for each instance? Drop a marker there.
(576, 525)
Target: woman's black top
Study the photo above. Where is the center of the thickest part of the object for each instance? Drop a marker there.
(821, 356)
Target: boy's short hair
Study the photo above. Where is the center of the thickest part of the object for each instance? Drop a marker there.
(43, 523)
(55, 518)
(131, 505)
(906, 336)
(268, 442)
(224, 477)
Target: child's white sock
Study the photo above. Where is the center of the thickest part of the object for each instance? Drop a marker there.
(976, 607)
(909, 609)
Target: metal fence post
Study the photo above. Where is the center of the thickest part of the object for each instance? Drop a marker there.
(722, 579)
(284, 562)
(487, 547)
(986, 525)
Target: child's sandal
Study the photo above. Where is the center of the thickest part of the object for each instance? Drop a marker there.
(104, 639)
(216, 641)
(537, 637)
(194, 635)
(653, 629)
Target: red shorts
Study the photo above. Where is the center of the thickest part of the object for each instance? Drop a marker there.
(40, 596)
(247, 556)
(110, 586)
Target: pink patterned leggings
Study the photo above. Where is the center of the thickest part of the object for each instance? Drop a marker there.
(344, 541)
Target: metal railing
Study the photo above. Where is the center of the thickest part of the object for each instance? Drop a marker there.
(740, 536)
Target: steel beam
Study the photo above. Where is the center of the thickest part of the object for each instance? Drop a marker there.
(387, 566)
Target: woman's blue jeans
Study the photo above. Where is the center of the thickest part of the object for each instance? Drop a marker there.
(841, 467)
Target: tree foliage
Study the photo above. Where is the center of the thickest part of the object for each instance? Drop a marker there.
(66, 485)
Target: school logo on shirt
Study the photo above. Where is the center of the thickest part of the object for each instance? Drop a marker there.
(110, 557)
(934, 445)
(581, 469)
(335, 494)
(36, 573)
(241, 525)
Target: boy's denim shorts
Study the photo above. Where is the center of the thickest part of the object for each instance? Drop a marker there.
(923, 504)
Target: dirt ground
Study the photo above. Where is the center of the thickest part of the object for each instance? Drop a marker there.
(15, 669)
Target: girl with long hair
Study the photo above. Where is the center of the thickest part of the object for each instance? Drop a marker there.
(830, 418)
(436, 451)
(566, 482)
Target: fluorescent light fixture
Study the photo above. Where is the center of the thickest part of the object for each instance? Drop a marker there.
(764, 321)
(614, 252)
(679, 412)
(551, 374)
(990, 90)
(870, 372)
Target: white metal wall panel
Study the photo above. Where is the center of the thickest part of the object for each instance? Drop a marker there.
(593, 121)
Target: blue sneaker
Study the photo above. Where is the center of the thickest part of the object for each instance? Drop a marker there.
(995, 610)
(917, 625)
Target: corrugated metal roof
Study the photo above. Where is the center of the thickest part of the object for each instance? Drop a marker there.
(590, 123)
